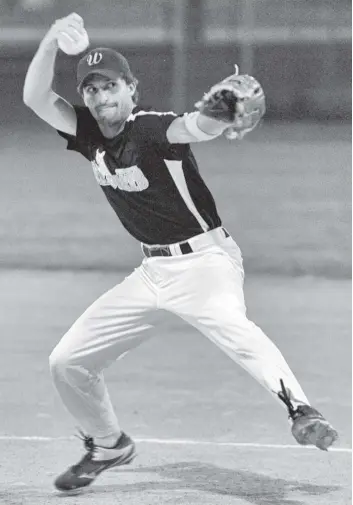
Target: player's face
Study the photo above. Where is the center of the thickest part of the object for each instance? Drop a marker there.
(108, 100)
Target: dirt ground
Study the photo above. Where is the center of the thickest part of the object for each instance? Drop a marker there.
(206, 432)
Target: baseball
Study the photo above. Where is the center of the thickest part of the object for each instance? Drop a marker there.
(71, 46)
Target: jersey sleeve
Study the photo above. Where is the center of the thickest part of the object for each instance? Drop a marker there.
(152, 129)
(85, 132)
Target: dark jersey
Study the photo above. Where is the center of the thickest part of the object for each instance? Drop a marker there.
(154, 187)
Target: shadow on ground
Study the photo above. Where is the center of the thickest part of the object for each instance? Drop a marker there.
(255, 488)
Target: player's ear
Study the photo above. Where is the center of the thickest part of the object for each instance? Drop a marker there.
(132, 88)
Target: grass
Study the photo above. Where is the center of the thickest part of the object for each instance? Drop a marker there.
(284, 194)
(285, 197)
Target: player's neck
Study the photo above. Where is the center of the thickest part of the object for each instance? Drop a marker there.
(110, 130)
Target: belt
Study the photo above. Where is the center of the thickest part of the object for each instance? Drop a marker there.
(172, 250)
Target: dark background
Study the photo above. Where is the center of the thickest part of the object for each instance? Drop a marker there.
(300, 51)
(207, 433)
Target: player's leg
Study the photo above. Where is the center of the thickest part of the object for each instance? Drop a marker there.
(211, 298)
(113, 325)
(213, 302)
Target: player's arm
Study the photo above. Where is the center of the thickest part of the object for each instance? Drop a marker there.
(38, 93)
(194, 127)
(39, 96)
(233, 107)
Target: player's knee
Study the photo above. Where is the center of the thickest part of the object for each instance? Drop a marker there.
(59, 362)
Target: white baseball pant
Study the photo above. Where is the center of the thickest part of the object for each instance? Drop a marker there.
(205, 288)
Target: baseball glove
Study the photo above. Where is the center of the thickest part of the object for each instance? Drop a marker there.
(238, 100)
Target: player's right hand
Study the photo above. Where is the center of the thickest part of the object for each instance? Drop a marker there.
(72, 25)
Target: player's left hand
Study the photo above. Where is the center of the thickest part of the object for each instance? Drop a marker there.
(238, 100)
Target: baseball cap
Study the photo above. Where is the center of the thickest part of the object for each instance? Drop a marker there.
(103, 61)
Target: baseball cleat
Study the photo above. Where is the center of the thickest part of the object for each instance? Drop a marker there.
(95, 461)
(309, 427)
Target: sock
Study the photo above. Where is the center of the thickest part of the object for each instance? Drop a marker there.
(108, 442)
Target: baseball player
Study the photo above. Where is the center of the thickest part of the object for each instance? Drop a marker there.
(192, 267)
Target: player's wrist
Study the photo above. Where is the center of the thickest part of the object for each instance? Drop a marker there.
(197, 128)
(210, 125)
(49, 42)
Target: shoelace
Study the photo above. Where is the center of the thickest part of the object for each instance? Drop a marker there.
(284, 396)
(89, 446)
(87, 440)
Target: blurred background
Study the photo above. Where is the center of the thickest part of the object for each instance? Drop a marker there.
(284, 192)
(299, 49)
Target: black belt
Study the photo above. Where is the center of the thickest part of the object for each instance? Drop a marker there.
(165, 250)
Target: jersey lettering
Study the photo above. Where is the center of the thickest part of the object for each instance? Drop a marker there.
(127, 179)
